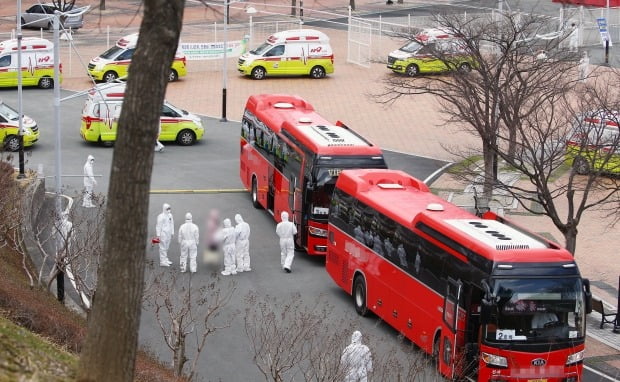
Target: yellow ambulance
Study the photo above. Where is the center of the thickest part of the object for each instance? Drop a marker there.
(37, 63)
(114, 62)
(9, 128)
(103, 107)
(292, 52)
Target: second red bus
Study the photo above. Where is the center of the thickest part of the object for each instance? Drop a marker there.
(290, 159)
(488, 299)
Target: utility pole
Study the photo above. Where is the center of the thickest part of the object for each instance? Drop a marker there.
(22, 164)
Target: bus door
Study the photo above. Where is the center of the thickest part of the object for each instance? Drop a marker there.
(273, 181)
(296, 201)
(451, 339)
(282, 189)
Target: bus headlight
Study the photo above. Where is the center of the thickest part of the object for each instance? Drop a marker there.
(494, 360)
(574, 358)
(317, 231)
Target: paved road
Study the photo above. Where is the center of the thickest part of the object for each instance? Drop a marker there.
(209, 165)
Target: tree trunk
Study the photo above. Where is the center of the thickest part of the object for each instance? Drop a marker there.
(570, 237)
(490, 174)
(109, 350)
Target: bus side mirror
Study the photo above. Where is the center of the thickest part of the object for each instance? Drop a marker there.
(309, 186)
(485, 311)
(587, 295)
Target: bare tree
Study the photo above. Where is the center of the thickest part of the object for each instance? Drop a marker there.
(522, 97)
(109, 351)
(490, 61)
(183, 310)
(563, 151)
(285, 342)
(63, 5)
(12, 224)
(304, 341)
(72, 244)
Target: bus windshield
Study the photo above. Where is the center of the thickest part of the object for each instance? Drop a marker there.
(536, 310)
(324, 180)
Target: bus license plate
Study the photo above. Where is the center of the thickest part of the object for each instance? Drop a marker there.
(537, 380)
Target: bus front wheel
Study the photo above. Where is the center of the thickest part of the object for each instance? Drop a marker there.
(255, 202)
(359, 296)
(435, 354)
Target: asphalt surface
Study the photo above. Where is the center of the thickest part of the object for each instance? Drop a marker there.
(198, 179)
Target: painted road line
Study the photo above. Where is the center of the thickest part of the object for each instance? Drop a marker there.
(207, 191)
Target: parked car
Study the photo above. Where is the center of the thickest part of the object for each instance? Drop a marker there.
(9, 128)
(38, 16)
(594, 143)
(103, 108)
(432, 51)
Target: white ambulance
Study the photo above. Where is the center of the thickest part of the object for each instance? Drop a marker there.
(114, 62)
(37, 63)
(292, 52)
(103, 107)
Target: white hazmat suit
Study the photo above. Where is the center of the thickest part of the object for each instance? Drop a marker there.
(242, 244)
(286, 230)
(188, 238)
(573, 39)
(356, 360)
(164, 231)
(227, 238)
(89, 182)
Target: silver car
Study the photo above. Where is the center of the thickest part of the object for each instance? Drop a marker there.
(39, 16)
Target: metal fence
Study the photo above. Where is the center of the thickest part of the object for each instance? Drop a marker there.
(369, 38)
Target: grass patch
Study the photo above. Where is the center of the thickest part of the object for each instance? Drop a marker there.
(27, 356)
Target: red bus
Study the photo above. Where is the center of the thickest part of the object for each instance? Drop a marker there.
(290, 160)
(488, 299)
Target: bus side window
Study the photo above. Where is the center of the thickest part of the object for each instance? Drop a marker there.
(245, 129)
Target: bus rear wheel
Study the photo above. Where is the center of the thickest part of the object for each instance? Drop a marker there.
(359, 296)
(255, 202)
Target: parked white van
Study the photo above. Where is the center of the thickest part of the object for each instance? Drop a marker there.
(114, 62)
(37, 63)
(103, 107)
(292, 52)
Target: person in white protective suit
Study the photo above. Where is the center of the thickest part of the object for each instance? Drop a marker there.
(89, 182)
(188, 238)
(164, 231)
(159, 147)
(584, 63)
(286, 230)
(573, 38)
(242, 244)
(227, 238)
(356, 360)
